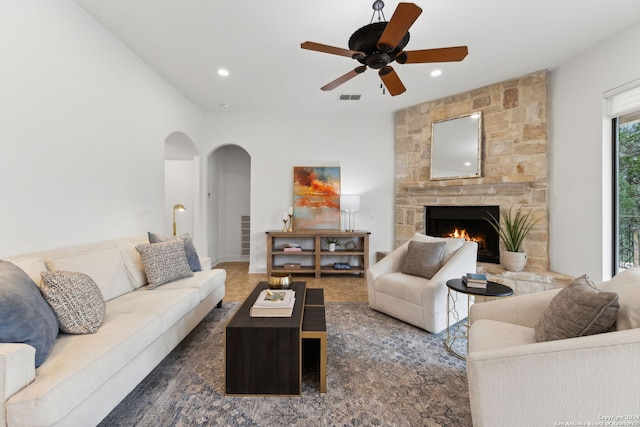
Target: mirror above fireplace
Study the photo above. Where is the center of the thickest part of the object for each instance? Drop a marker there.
(456, 147)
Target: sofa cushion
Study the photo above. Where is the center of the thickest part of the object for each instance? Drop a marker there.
(25, 316)
(189, 248)
(205, 282)
(167, 305)
(104, 266)
(33, 267)
(133, 264)
(405, 287)
(627, 285)
(164, 262)
(453, 244)
(75, 299)
(80, 364)
(487, 334)
(423, 258)
(577, 310)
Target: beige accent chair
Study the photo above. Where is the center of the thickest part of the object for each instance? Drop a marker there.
(416, 300)
(515, 380)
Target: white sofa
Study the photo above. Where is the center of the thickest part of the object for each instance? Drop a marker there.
(414, 299)
(515, 380)
(86, 376)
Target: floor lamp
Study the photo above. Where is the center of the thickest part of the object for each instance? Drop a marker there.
(350, 203)
(177, 208)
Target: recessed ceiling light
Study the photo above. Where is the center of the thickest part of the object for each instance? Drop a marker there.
(436, 73)
(225, 106)
(223, 72)
(467, 163)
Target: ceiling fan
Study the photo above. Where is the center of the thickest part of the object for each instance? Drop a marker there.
(378, 44)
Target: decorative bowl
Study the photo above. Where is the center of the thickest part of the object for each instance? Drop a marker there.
(279, 280)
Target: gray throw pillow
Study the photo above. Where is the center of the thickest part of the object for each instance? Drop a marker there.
(189, 247)
(577, 310)
(25, 316)
(75, 299)
(423, 258)
(164, 262)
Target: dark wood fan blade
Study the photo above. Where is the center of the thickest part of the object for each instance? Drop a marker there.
(391, 81)
(445, 54)
(342, 79)
(403, 18)
(318, 47)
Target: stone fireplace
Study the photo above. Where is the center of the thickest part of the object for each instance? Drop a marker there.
(514, 159)
(466, 222)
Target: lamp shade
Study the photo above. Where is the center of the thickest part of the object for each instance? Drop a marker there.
(350, 202)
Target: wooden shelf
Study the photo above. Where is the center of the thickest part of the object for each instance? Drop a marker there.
(315, 256)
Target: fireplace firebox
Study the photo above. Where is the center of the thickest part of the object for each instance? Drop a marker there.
(467, 222)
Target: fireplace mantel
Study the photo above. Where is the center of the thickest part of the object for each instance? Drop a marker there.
(512, 187)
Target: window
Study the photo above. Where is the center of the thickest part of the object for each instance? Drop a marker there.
(623, 104)
(626, 207)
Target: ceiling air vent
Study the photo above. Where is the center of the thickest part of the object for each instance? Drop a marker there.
(350, 97)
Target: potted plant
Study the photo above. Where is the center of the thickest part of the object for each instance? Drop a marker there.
(512, 232)
(332, 242)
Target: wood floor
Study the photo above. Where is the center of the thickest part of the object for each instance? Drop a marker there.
(336, 287)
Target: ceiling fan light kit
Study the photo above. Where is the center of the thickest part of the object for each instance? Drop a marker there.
(378, 44)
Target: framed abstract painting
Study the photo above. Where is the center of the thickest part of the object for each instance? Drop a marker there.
(316, 198)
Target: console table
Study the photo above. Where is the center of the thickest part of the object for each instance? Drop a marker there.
(315, 257)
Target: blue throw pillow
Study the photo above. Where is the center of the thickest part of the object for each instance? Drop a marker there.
(189, 248)
(25, 316)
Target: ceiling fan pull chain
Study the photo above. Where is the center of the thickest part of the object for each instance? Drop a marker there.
(377, 7)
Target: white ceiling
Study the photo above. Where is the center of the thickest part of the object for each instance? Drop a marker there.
(258, 41)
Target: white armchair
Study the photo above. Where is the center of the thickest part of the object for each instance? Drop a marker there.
(515, 380)
(416, 300)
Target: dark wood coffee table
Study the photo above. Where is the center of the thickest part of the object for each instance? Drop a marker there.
(263, 355)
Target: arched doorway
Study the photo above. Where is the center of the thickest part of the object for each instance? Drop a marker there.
(228, 204)
(182, 185)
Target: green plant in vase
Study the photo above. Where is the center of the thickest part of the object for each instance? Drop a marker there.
(512, 232)
(332, 243)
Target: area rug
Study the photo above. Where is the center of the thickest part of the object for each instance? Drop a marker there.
(380, 371)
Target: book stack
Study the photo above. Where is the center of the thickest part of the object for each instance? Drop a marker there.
(289, 249)
(274, 303)
(475, 280)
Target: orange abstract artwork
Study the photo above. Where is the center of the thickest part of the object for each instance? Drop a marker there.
(316, 198)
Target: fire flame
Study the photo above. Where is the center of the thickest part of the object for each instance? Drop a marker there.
(462, 234)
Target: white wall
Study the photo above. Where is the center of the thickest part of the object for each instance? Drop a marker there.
(82, 129)
(361, 144)
(179, 189)
(580, 162)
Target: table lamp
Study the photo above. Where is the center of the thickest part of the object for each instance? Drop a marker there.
(350, 203)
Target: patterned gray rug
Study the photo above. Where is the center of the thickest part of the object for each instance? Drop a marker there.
(380, 372)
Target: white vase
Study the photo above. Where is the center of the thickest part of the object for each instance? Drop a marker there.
(513, 261)
(332, 247)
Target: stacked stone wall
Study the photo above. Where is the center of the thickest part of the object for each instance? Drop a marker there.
(514, 158)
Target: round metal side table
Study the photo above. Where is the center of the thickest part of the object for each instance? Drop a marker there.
(461, 330)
